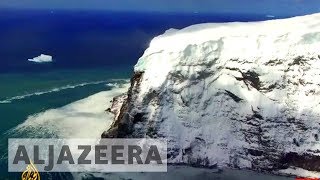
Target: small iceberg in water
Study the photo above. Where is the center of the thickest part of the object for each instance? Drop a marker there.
(41, 59)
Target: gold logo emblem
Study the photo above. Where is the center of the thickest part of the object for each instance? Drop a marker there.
(31, 173)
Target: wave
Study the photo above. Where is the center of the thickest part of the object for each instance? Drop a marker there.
(110, 84)
(85, 118)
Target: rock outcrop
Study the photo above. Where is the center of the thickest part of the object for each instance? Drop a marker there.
(242, 95)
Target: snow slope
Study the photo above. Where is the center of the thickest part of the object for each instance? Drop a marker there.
(242, 95)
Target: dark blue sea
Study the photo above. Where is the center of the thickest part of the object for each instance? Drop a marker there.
(93, 51)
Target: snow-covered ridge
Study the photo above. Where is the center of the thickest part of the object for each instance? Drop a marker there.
(250, 39)
(243, 95)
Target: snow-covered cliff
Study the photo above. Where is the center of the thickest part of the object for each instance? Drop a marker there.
(244, 95)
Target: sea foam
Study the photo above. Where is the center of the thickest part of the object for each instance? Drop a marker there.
(85, 118)
(57, 89)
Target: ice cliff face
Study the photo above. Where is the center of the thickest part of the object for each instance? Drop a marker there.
(244, 95)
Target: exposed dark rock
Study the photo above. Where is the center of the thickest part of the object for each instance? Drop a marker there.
(252, 78)
(296, 142)
(123, 124)
(138, 118)
(256, 114)
(274, 62)
(90, 177)
(255, 152)
(297, 61)
(316, 137)
(151, 132)
(233, 96)
(306, 161)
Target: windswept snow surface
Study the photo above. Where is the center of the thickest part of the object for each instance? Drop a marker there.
(234, 94)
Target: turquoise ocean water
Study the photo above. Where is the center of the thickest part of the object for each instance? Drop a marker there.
(27, 94)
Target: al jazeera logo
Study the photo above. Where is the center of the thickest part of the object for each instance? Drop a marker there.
(31, 173)
(85, 155)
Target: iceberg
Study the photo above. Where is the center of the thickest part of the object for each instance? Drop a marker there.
(41, 59)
